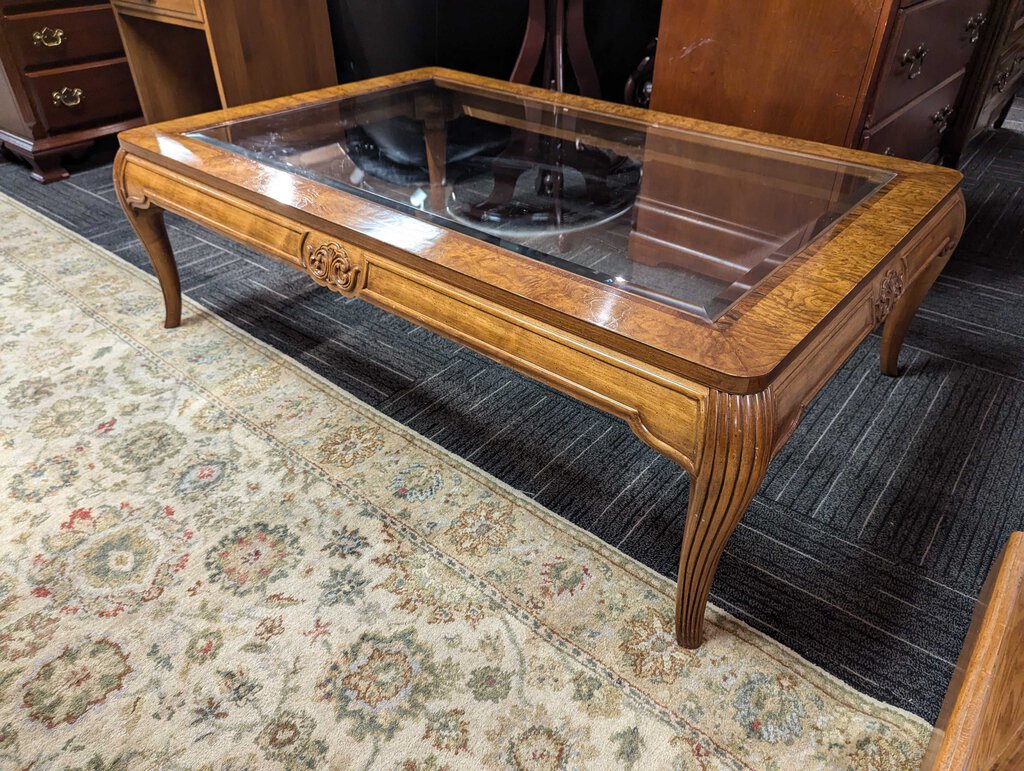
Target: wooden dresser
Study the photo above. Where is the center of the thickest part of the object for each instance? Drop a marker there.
(994, 79)
(64, 80)
(192, 56)
(882, 75)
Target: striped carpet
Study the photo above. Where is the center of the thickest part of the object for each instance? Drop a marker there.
(867, 545)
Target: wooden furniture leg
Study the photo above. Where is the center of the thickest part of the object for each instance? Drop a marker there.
(737, 449)
(998, 123)
(898, 321)
(579, 51)
(555, 28)
(533, 43)
(148, 221)
(435, 133)
(46, 164)
(46, 167)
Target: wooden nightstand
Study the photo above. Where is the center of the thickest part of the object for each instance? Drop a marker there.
(192, 56)
(64, 80)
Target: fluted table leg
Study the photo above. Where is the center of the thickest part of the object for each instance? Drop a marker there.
(737, 450)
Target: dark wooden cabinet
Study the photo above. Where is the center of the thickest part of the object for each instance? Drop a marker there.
(997, 75)
(882, 75)
(941, 38)
(64, 80)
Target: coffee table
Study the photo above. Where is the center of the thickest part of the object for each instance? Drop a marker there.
(700, 282)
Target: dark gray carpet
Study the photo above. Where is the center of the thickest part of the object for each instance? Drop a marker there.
(868, 544)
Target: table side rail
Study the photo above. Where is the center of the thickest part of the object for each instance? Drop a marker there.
(664, 410)
(901, 280)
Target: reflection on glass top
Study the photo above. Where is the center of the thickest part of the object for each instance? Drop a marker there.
(687, 219)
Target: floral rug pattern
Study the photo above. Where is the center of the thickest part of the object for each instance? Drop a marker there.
(211, 558)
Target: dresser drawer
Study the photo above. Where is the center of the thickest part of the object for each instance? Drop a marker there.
(64, 36)
(1007, 69)
(191, 10)
(916, 131)
(83, 95)
(1007, 73)
(930, 42)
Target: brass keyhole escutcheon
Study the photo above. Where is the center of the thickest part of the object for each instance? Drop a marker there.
(51, 38)
(69, 97)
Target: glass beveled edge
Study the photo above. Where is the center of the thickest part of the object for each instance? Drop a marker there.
(852, 215)
(883, 185)
(410, 211)
(595, 114)
(612, 116)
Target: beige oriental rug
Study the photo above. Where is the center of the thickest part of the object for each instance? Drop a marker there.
(210, 557)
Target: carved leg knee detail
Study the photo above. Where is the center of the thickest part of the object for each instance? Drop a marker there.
(897, 322)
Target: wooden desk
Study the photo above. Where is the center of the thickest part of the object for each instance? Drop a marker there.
(193, 56)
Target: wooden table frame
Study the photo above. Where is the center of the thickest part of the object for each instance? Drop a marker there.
(981, 725)
(718, 398)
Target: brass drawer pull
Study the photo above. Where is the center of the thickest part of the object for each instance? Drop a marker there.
(914, 58)
(51, 38)
(941, 119)
(69, 97)
(974, 25)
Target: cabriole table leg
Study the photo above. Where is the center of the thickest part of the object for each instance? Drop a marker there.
(148, 221)
(898, 322)
(737, 449)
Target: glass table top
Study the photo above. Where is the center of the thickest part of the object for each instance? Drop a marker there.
(688, 219)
